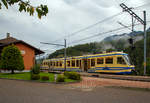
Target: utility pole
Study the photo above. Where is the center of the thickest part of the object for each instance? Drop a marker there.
(65, 54)
(144, 42)
(143, 22)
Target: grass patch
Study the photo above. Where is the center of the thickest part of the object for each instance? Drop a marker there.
(26, 76)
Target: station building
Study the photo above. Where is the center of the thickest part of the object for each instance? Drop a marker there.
(28, 51)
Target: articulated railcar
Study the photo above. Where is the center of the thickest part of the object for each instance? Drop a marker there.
(114, 62)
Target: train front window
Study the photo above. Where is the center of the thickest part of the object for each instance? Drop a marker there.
(120, 60)
(127, 59)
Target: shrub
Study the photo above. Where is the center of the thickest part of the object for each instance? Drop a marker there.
(35, 76)
(66, 73)
(45, 78)
(72, 75)
(11, 59)
(35, 69)
(60, 78)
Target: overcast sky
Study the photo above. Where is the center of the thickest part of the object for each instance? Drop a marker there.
(66, 17)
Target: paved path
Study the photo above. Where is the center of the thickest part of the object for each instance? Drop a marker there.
(91, 82)
(12, 91)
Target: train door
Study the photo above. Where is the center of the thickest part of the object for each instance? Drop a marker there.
(85, 65)
(89, 63)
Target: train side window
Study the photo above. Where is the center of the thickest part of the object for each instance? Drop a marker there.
(68, 63)
(60, 63)
(78, 63)
(54, 63)
(51, 63)
(120, 60)
(73, 63)
(92, 62)
(100, 60)
(109, 60)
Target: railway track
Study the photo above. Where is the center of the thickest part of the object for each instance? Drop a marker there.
(120, 77)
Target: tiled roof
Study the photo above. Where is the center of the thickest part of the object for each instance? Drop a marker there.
(8, 40)
(11, 40)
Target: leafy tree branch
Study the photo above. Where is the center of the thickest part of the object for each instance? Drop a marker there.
(25, 6)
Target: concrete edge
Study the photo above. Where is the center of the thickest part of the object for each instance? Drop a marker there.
(35, 81)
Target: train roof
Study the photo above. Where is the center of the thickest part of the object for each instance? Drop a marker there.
(89, 56)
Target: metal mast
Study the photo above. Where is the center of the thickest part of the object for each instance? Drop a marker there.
(143, 22)
(65, 54)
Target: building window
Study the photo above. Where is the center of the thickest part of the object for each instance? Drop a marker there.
(73, 63)
(92, 62)
(100, 60)
(120, 60)
(109, 60)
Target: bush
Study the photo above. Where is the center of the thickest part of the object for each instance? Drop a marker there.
(35, 76)
(11, 59)
(66, 73)
(72, 75)
(35, 69)
(45, 78)
(60, 78)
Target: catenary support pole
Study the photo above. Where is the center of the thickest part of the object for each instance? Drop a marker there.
(144, 12)
(65, 55)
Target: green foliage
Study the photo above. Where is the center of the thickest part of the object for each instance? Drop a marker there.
(35, 69)
(5, 3)
(60, 78)
(35, 76)
(0, 5)
(11, 59)
(45, 78)
(25, 6)
(72, 75)
(148, 66)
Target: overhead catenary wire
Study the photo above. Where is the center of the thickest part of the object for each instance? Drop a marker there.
(90, 26)
(146, 4)
(117, 29)
(93, 25)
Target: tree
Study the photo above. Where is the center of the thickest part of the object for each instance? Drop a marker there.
(11, 59)
(41, 10)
